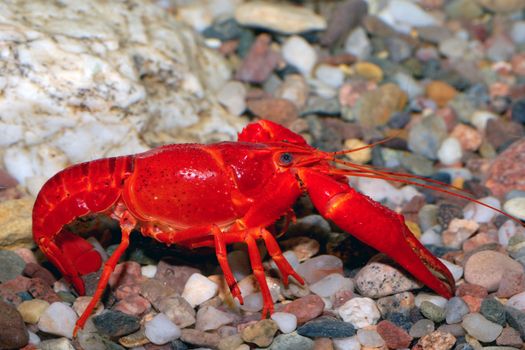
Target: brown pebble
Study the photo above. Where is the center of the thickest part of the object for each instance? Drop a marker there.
(500, 132)
(127, 290)
(305, 308)
(344, 16)
(260, 61)
(486, 268)
(200, 338)
(14, 333)
(126, 273)
(469, 138)
(394, 336)
(134, 305)
(440, 92)
(506, 172)
(473, 303)
(471, 289)
(39, 289)
(174, 276)
(279, 110)
(260, 333)
(512, 283)
(509, 337)
(34, 270)
(323, 344)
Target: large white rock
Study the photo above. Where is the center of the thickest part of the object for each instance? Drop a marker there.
(90, 79)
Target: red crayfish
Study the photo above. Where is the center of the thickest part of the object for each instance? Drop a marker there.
(214, 195)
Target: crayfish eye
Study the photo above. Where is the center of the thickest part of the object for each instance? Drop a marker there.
(285, 159)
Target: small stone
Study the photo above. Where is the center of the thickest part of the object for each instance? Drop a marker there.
(450, 151)
(160, 330)
(358, 44)
(14, 332)
(421, 328)
(58, 319)
(300, 54)
(493, 311)
(511, 283)
(260, 333)
(509, 337)
(279, 17)
(56, 344)
(344, 16)
(501, 133)
(360, 312)
(505, 172)
(278, 110)
(455, 329)
(453, 47)
(211, 318)
(480, 213)
(516, 319)
(455, 270)
(480, 328)
(329, 285)
(32, 310)
(148, 271)
(303, 248)
(178, 310)
(360, 157)
(369, 338)
(397, 303)
(350, 343)
(198, 289)
(455, 309)
(517, 301)
(486, 268)
(15, 220)
(432, 298)
(295, 89)
(313, 270)
(305, 308)
(472, 290)
(200, 338)
(326, 327)
(125, 273)
(515, 207)
(173, 276)
(115, 323)
(440, 92)
(425, 137)
(132, 305)
(432, 311)
(437, 341)
(39, 289)
(292, 341)
(35, 270)
(256, 67)
(395, 337)
(374, 73)
(230, 342)
(232, 96)
(287, 322)
(379, 279)
(12, 265)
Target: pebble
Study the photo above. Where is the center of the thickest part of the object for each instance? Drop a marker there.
(299, 53)
(330, 75)
(12, 265)
(403, 15)
(326, 327)
(434, 299)
(511, 283)
(469, 138)
(160, 330)
(198, 289)
(437, 341)
(315, 269)
(360, 312)
(458, 231)
(115, 323)
(287, 322)
(480, 213)
(257, 66)
(232, 95)
(279, 17)
(395, 337)
(301, 249)
(502, 6)
(14, 332)
(509, 337)
(515, 207)
(373, 73)
(32, 310)
(480, 328)
(379, 279)
(440, 92)
(329, 285)
(148, 271)
(292, 341)
(425, 137)
(260, 333)
(33, 270)
(210, 318)
(493, 310)
(200, 338)
(486, 268)
(172, 276)
(344, 16)
(360, 157)
(279, 110)
(455, 309)
(456, 270)
(421, 328)
(350, 343)
(516, 319)
(432, 311)
(133, 305)
(39, 289)
(56, 344)
(369, 338)
(504, 172)
(305, 308)
(450, 151)
(398, 303)
(295, 89)
(230, 342)
(58, 319)
(358, 44)
(517, 301)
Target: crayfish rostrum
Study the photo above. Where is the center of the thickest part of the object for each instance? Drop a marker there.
(213, 195)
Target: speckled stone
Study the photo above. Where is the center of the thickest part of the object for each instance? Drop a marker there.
(260, 333)
(305, 308)
(422, 328)
(516, 319)
(455, 309)
(12, 265)
(14, 333)
(292, 341)
(400, 303)
(116, 324)
(326, 327)
(493, 311)
(437, 341)
(432, 311)
(394, 336)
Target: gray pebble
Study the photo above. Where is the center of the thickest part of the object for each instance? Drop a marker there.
(455, 309)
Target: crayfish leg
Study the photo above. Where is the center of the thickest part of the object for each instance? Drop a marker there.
(127, 223)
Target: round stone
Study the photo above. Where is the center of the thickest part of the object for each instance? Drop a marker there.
(486, 268)
(31, 310)
(370, 338)
(360, 312)
(286, 321)
(480, 328)
(12, 265)
(515, 207)
(300, 54)
(58, 319)
(450, 151)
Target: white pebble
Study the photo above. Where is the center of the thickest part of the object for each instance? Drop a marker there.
(369, 338)
(380, 190)
(517, 301)
(357, 44)
(506, 231)
(287, 322)
(450, 151)
(480, 213)
(480, 119)
(328, 286)
(198, 289)
(299, 53)
(58, 319)
(480, 328)
(160, 330)
(232, 96)
(209, 318)
(434, 299)
(517, 32)
(252, 302)
(455, 270)
(330, 75)
(430, 236)
(148, 271)
(33, 338)
(350, 343)
(360, 312)
(515, 207)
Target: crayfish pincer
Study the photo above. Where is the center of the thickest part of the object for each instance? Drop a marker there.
(213, 195)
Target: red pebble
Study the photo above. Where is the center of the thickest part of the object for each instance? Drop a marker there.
(394, 336)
